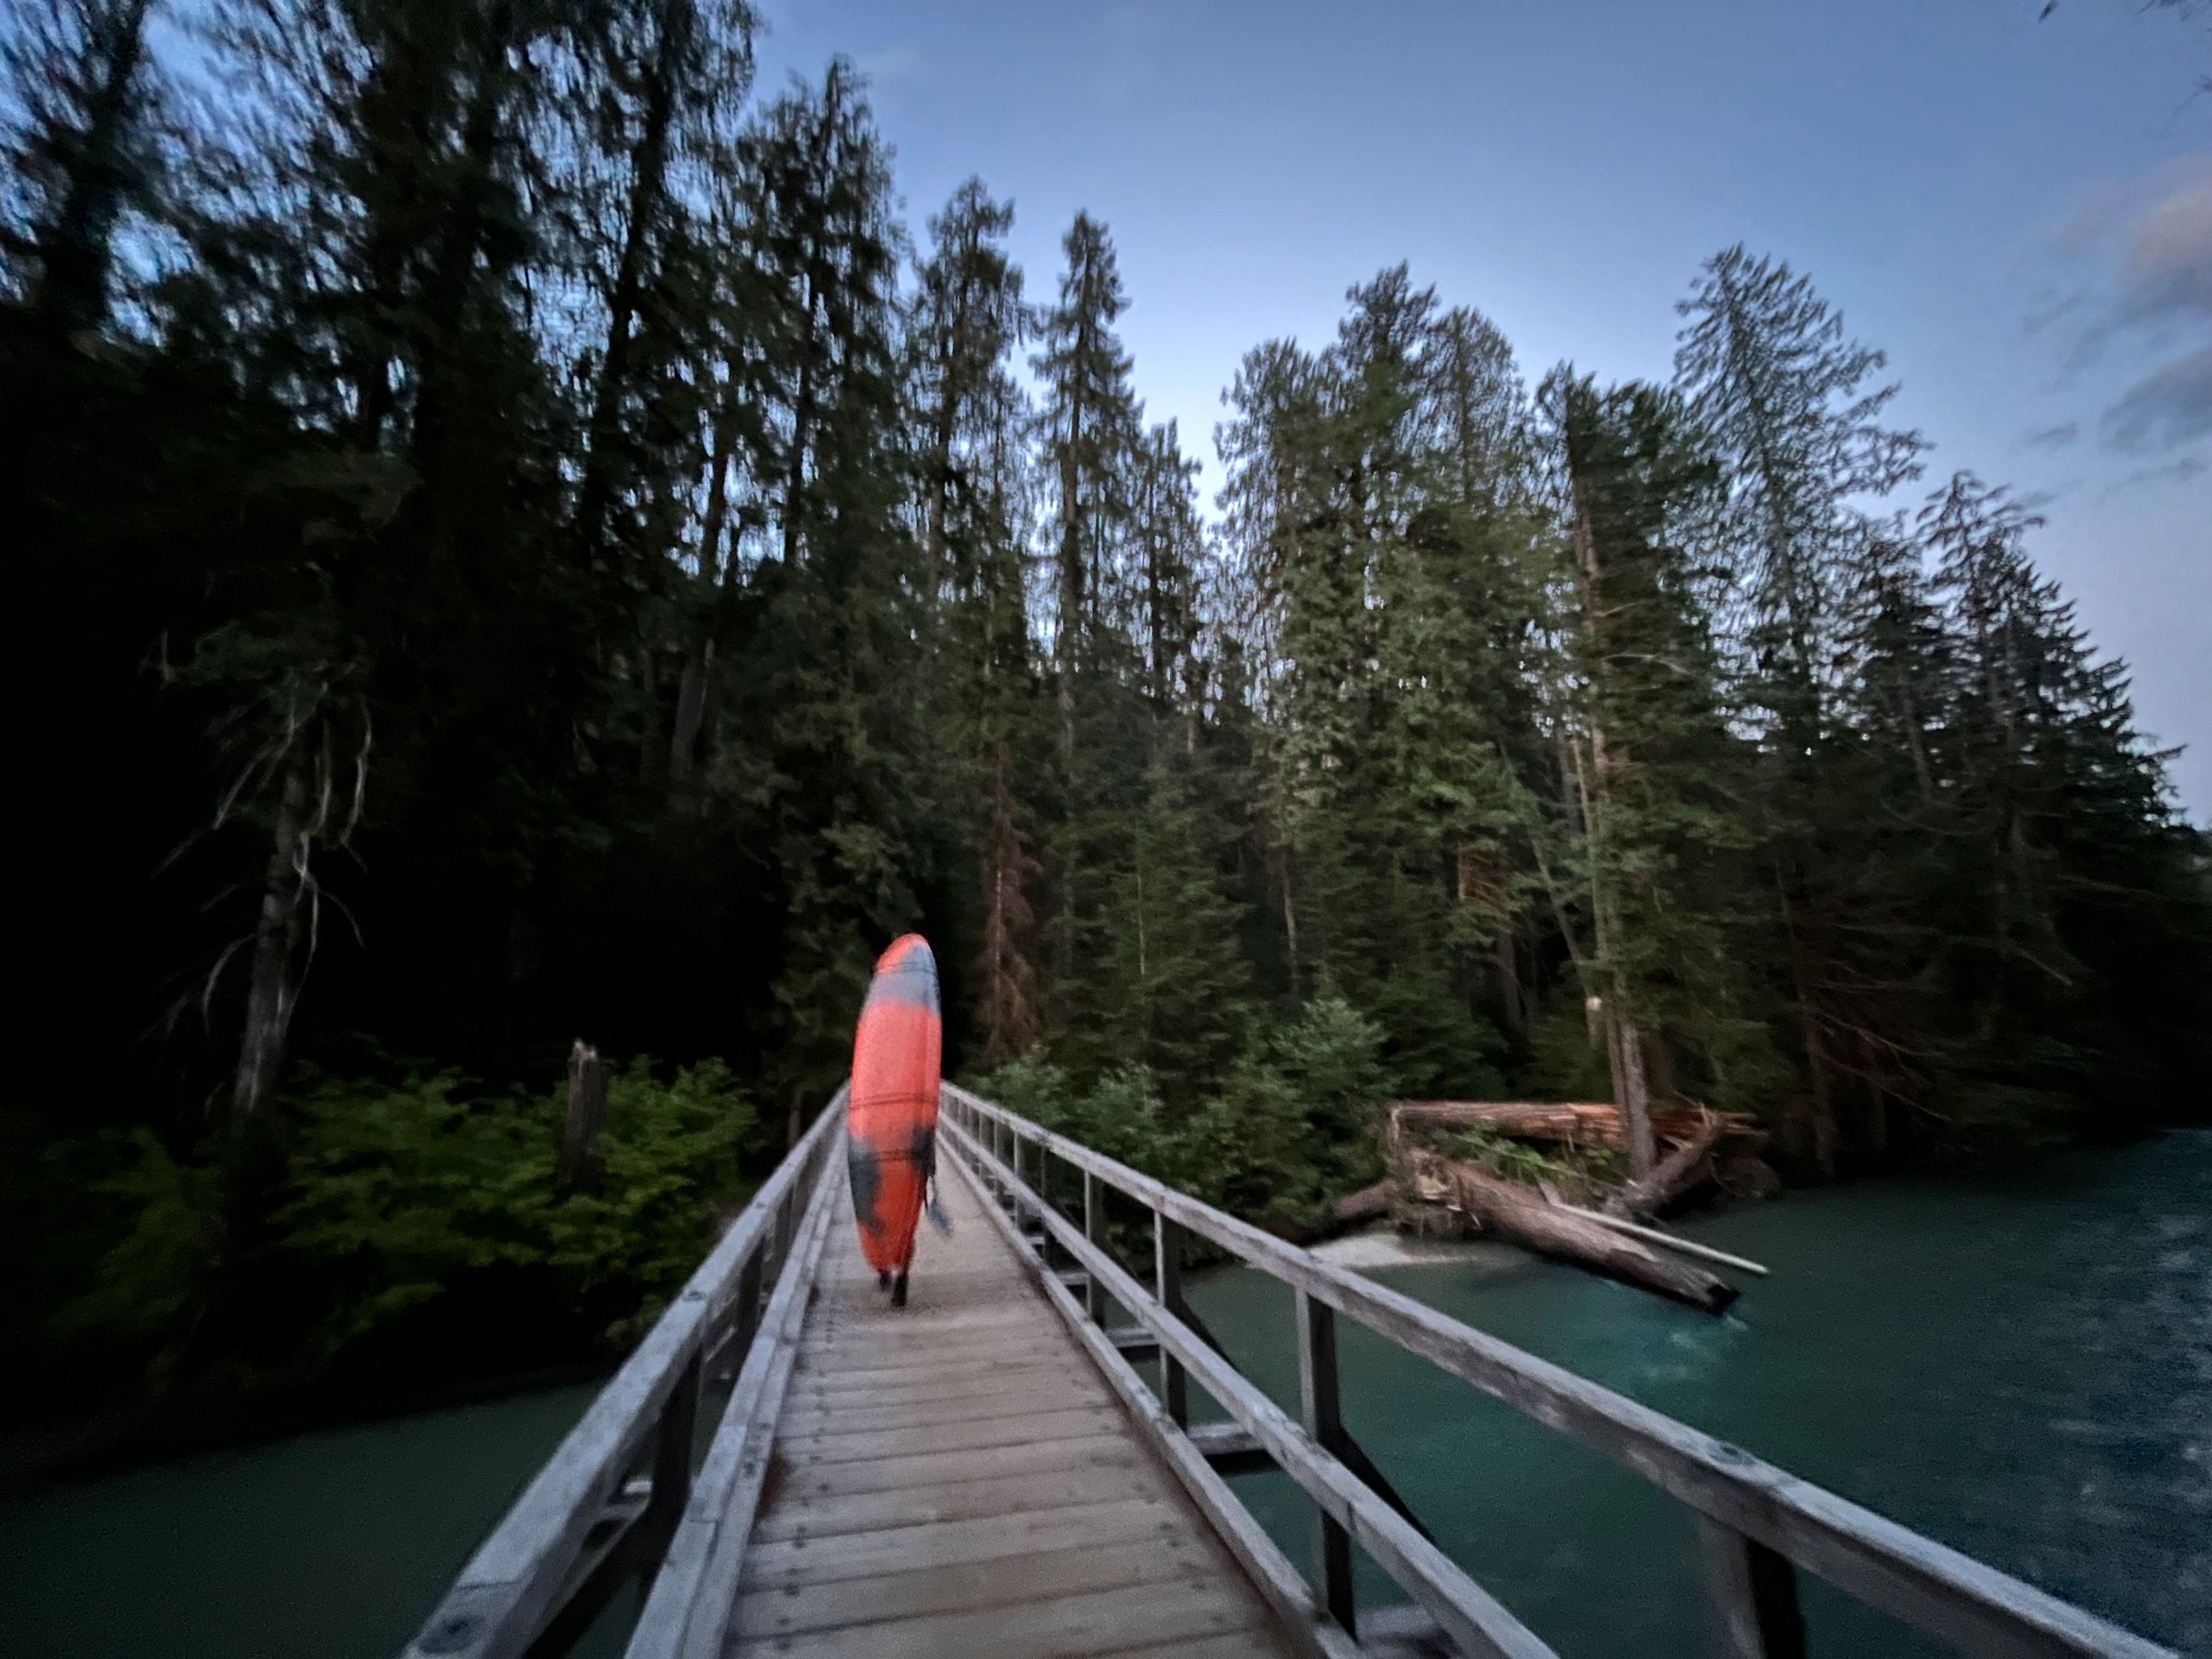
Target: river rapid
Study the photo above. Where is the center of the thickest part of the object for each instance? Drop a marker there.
(2018, 1363)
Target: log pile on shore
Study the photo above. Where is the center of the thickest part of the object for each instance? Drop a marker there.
(1429, 1178)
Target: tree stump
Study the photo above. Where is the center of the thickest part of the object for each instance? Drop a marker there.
(582, 1167)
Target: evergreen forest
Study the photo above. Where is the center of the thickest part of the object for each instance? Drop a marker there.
(514, 540)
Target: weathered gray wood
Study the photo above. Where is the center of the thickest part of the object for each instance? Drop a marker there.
(582, 1169)
(1475, 1618)
(1287, 1593)
(831, 1443)
(1101, 1621)
(823, 1392)
(1094, 1229)
(1167, 1286)
(686, 1609)
(797, 1516)
(1961, 1600)
(1751, 1597)
(1033, 1581)
(935, 1468)
(1074, 1390)
(1319, 1410)
(1231, 1447)
(908, 1556)
(1242, 1646)
(509, 1587)
(772, 1564)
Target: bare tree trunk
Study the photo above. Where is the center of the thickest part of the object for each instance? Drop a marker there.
(1008, 1011)
(582, 1167)
(271, 985)
(1823, 1124)
(690, 717)
(1624, 1051)
(1624, 1043)
(1509, 986)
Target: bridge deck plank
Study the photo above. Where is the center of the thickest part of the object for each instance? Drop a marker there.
(954, 1477)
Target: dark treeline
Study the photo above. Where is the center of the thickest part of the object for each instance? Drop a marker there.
(513, 540)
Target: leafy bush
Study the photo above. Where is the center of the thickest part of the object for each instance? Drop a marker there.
(149, 1284)
(403, 1192)
(1292, 1123)
(416, 1224)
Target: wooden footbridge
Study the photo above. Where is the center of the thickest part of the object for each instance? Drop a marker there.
(787, 1466)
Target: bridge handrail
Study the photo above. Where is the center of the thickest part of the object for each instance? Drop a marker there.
(1758, 1521)
(579, 1509)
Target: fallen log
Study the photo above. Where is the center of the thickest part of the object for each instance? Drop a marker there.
(1685, 1167)
(1515, 1213)
(1585, 1123)
(1368, 1204)
(1668, 1241)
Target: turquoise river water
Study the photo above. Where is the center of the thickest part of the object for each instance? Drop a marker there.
(2017, 1362)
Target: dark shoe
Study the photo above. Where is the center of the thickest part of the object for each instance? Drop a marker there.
(898, 1291)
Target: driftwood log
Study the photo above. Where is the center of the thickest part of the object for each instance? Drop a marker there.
(1368, 1204)
(1688, 1165)
(1584, 1123)
(1513, 1212)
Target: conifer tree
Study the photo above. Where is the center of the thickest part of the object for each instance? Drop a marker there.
(973, 419)
(88, 103)
(1091, 423)
(1653, 777)
(835, 766)
(1786, 401)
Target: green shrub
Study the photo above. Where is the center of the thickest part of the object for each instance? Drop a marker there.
(401, 1193)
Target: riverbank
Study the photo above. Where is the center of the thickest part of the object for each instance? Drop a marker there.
(36, 1456)
(2017, 1362)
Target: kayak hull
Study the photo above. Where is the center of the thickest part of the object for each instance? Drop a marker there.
(892, 1115)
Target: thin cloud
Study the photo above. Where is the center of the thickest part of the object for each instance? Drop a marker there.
(2170, 472)
(2146, 248)
(2169, 266)
(2169, 406)
(2054, 437)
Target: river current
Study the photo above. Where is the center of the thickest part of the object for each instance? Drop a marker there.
(2017, 1362)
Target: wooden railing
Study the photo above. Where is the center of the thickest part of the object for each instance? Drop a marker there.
(1758, 1523)
(618, 1492)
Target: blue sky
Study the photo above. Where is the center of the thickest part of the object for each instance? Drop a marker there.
(2018, 211)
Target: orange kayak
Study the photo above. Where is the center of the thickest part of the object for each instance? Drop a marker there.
(892, 1113)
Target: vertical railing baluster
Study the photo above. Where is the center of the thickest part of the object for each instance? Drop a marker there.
(1167, 1285)
(1319, 1406)
(1094, 1229)
(671, 1468)
(785, 1216)
(746, 1322)
(1751, 1596)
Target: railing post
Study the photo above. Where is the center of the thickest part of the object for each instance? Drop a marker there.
(671, 1465)
(1318, 1403)
(1751, 1596)
(1094, 1229)
(746, 1322)
(1167, 1285)
(784, 1217)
